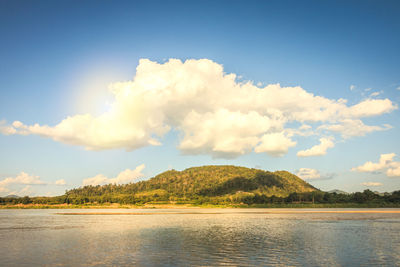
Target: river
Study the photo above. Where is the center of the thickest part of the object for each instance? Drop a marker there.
(200, 237)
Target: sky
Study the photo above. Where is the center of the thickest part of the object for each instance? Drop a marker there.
(96, 92)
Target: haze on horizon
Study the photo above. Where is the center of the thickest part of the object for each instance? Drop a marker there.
(95, 93)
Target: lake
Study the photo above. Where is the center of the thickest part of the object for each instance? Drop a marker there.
(200, 237)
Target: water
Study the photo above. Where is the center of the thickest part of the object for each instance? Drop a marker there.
(198, 237)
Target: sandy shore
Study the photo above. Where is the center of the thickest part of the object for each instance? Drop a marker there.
(234, 212)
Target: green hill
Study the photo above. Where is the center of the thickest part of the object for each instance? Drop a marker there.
(197, 183)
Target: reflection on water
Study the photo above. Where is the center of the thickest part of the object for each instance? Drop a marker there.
(230, 238)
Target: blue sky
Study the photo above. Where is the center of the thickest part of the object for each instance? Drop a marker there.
(58, 59)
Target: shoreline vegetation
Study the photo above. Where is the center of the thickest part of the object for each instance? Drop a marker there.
(202, 206)
(221, 186)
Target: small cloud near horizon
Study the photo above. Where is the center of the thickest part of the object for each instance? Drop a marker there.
(25, 184)
(385, 164)
(21, 179)
(313, 174)
(60, 182)
(123, 177)
(371, 184)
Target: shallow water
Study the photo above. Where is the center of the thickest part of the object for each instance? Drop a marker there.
(199, 237)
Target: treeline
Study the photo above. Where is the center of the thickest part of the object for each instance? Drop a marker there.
(219, 185)
(248, 198)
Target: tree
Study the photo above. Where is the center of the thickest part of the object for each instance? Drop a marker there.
(25, 200)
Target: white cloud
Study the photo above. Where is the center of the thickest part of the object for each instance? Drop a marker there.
(371, 184)
(5, 129)
(369, 107)
(375, 94)
(303, 130)
(386, 163)
(223, 133)
(317, 150)
(124, 177)
(395, 171)
(275, 144)
(24, 184)
(313, 174)
(353, 127)
(99, 179)
(60, 182)
(128, 175)
(215, 113)
(398, 88)
(352, 87)
(51, 194)
(22, 178)
(308, 174)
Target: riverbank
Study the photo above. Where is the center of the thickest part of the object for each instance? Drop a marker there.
(191, 206)
(260, 211)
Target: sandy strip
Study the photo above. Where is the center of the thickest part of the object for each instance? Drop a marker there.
(132, 213)
(250, 212)
(331, 211)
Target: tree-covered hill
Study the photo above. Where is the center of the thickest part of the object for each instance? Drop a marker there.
(200, 182)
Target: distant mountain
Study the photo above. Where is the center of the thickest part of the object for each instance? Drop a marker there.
(12, 196)
(205, 181)
(382, 193)
(337, 191)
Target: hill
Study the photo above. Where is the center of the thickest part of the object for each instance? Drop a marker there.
(337, 191)
(12, 196)
(200, 182)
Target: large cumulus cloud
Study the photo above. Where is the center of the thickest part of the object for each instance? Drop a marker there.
(214, 113)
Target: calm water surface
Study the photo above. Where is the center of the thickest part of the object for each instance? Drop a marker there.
(230, 237)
